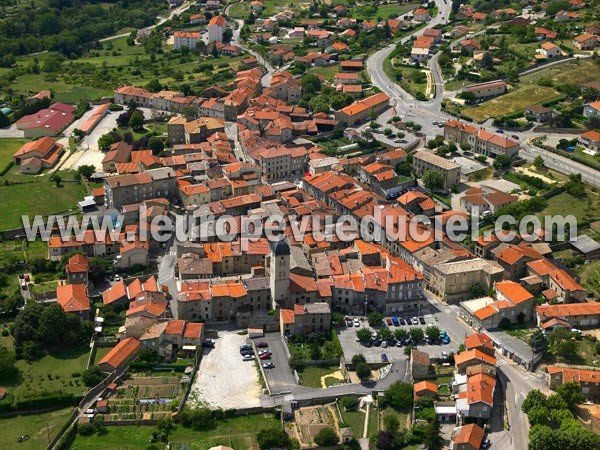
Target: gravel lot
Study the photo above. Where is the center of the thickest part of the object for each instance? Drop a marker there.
(224, 380)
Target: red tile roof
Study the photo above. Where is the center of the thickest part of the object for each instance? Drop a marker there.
(122, 352)
(471, 434)
(73, 298)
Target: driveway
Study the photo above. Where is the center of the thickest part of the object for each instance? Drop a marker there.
(11, 132)
(280, 378)
(224, 380)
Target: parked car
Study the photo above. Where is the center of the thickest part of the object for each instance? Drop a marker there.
(117, 277)
(402, 321)
(422, 320)
(208, 343)
(384, 344)
(377, 342)
(262, 344)
(384, 358)
(356, 323)
(500, 131)
(415, 321)
(248, 357)
(264, 356)
(245, 347)
(27, 278)
(268, 365)
(395, 321)
(389, 322)
(444, 355)
(247, 352)
(514, 136)
(446, 339)
(486, 443)
(349, 323)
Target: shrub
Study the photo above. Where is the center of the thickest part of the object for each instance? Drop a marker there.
(326, 437)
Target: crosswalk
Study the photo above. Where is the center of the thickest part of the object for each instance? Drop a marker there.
(500, 362)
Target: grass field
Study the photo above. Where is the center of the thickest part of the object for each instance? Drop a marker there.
(567, 204)
(238, 433)
(101, 353)
(311, 375)
(37, 426)
(12, 251)
(355, 420)
(40, 197)
(590, 276)
(517, 100)
(8, 147)
(51, 373)
(383, 11)
(577, 72)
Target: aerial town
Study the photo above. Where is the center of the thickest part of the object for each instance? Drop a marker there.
(348, 224)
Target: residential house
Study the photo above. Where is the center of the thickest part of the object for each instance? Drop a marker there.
(590, 140)
(485, 201)
(540, 113)
(425, 389)
(118, 153)
(550, 50)
(73, 299)
(419, 364)
(468, 437)
(36, 155)
(481, 141)
(585, 41)
(134, 188)
(77, 269)
(421, 15)
(470, 45)
(453, 280)
(589, 380)
(543, 33)
(120, 355)
(591, 109)
(305, 319)
(557, 282)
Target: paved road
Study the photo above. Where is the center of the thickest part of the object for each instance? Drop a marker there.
(235, 40)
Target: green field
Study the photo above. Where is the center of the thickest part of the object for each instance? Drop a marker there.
(101, 353)
(576, 72)
(38, 197)
(39, 427)
(51, 373)
(567, 204)
(8, 147)
(517, 100)
(238, 433)
(311, 375)
(381, 11)
(12, 251)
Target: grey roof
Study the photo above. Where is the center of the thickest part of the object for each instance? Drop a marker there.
(257, 284)
(161, 173)
(585, 244)
(299, 260)
(317, 308)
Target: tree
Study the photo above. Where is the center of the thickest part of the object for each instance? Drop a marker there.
(538, 416)
(571, 394)
(385, 334)
(400, 395)
(534, 399)
(538, 162)
(4, 121)
(358, 358)
(566, 349)
(326, 437)
(385, 440)
(273, 437)
(502, 162)
(477, 290)
(416, 334)
(401, 334)
(433, 180)
(433, 435)
(310, 84)
(52, 324)
(432, 332)
(156, 144)
(86, 171)
(57, 179)
(538, 342)
(375, 319)
(105, 141)
(154, 86)
(136, 122)
(362, 371)
(363, 334)
(556, 402)
(391, 423)
(92, 376)
(8, 368)
(227, 35)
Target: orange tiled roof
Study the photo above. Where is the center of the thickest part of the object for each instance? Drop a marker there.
(120, 353)
(471, 434)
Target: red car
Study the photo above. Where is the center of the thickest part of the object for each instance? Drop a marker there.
(262, 344)
(389, 322)
(264, 356)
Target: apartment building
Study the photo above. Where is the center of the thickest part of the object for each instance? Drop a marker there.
(127, 189)
(578, 315)
(187, 39)
(453, 280)
(182, 131)
(216, 27)
(305, 319)
(425, 160)
(279, 163)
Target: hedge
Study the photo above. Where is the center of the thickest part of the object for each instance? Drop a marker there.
(6, 168)
(48, 401)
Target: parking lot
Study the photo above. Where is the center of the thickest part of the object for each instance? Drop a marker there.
(280, 378)
(373, 354)
(224, 380)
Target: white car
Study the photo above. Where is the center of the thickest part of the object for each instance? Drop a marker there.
(247, 358)
(356, 323)
(415, 321)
